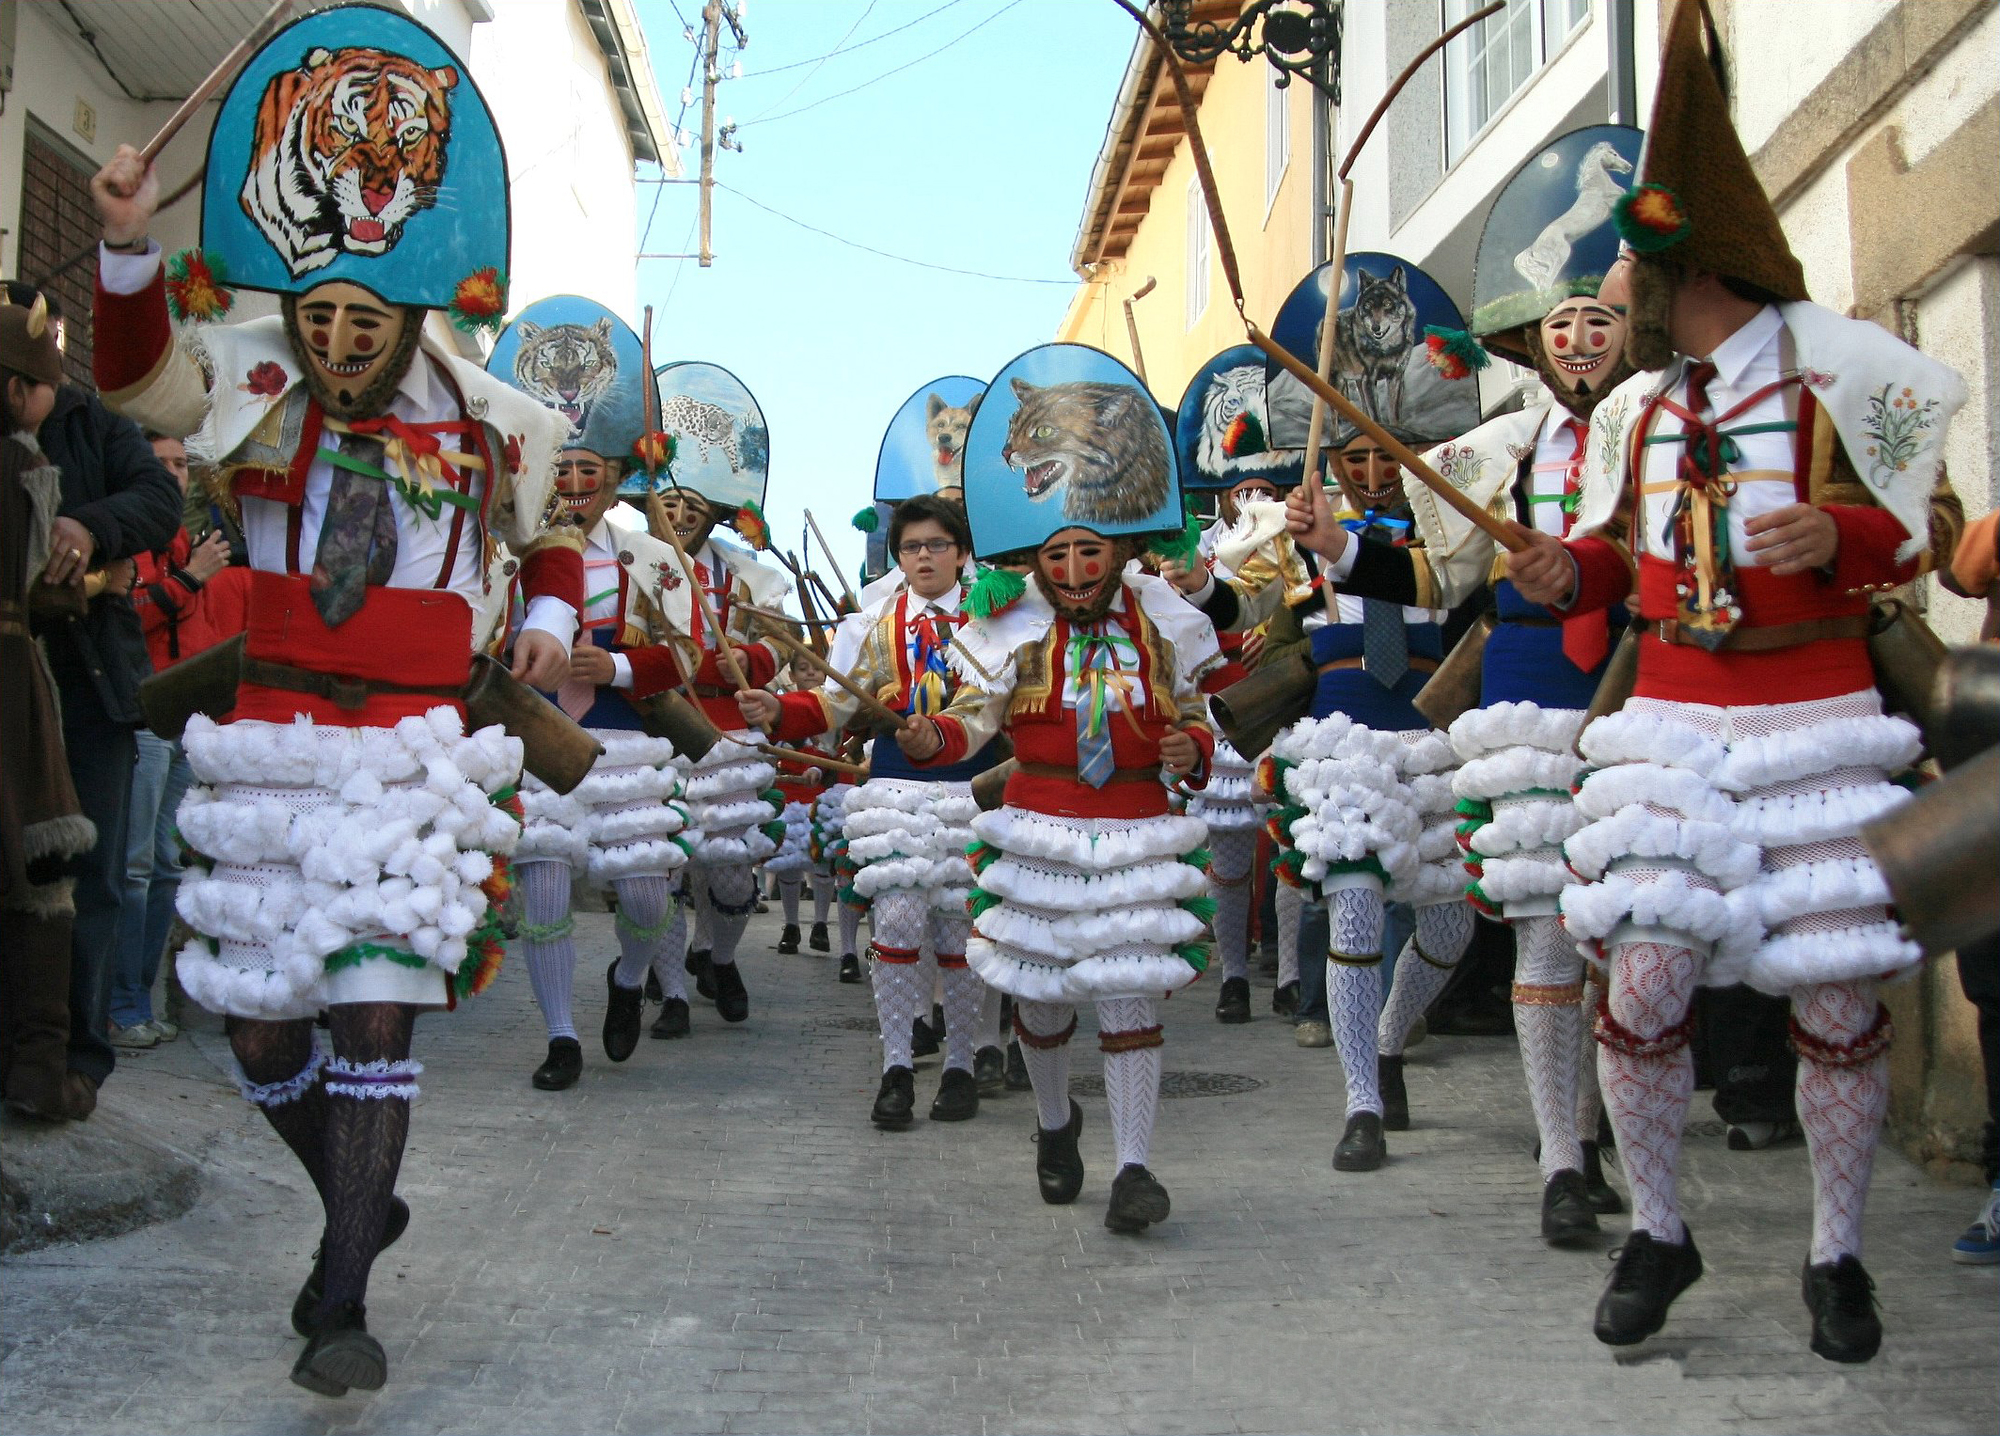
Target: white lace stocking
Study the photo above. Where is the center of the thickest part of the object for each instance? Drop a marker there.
(733, 887)
(964, 993)
(1048, 1067)
(645, 910)
(789, 888)
(1651, 986)
(1131, 1079)
(901, 918)
(1841, 1109)
(1232, 853)
(1422, 969)
(1551, 1032)
(670, 960)
(1354, 991)
(823, 889)
(546, 941)
(850, 928)
(1288, 901)
(989, 1017)
(1589, 1100)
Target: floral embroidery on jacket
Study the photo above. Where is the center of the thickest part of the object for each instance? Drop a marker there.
(1896, 425)
(267, 380)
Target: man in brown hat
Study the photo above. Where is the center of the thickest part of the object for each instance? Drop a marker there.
(1782, 465)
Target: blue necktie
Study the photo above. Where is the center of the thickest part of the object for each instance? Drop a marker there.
(1093, 655)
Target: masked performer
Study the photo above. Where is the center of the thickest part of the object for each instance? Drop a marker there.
(1763, 486)
(907, 827)
(351, 830)
(620, 828)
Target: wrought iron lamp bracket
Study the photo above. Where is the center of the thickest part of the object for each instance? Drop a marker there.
(1298, 37)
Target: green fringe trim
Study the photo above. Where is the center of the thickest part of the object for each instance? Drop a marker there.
(981, 855)
(1475, 808)
(980, 901)
(1194, 954)
(1201, 907)
(994, 591)
(775, 797)
(1369, 864)
(867, 520)
(548, 931)
(357, 953)
(775, 831)
(1200, 858)
(645, 934)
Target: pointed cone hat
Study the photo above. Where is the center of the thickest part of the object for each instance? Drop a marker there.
(1698, 201)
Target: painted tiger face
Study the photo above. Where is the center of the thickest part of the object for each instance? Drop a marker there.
(347, 148)
(566, 366)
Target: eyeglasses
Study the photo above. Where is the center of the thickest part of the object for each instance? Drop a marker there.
(910, 548)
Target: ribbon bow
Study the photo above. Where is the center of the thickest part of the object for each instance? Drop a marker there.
(418, 456)
(1360, 523)
(930, 688)
(1094, 656)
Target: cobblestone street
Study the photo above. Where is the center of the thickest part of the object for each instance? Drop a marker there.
(712, 1238)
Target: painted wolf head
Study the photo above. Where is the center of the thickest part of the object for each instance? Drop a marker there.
(1101, 443)
(946, 426)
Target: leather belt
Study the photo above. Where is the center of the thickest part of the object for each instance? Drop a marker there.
(1118, 775)
(336, 688)
(1768, 636)
(1417, 665)
(712, 690)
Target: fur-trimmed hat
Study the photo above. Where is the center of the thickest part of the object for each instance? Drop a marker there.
(1698, 202)
(28, 342)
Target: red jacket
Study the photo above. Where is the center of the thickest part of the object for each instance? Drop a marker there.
(171, 605)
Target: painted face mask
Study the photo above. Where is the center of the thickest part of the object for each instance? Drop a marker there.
(1078, 574)
(356, 348)
(1580, 352)
(588, 484)
(690, 516)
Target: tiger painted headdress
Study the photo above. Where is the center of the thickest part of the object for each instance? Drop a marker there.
(355, 146)
(576, 357)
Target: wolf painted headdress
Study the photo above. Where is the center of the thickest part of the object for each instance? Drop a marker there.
(1549, 235)
(355, 146)
(1068, 437)
(581, 360)
(1222, 431)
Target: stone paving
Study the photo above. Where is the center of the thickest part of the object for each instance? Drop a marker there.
(712, 1238)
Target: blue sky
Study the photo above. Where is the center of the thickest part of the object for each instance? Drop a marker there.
(976, 158)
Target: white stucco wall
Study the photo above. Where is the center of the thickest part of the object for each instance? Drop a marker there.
(1782, 48)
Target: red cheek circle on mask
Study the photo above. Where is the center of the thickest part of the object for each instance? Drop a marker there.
(319, 338)
(363, 343)
(1092, 569)
(1562, 341)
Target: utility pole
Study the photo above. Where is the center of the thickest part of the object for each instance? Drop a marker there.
(710, 73)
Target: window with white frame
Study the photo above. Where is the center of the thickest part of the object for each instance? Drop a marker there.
(1197, 253)
(1277, 134)
(1485, 66)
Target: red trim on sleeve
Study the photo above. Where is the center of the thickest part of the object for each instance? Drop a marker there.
(653, 670)
(1602, 578)
(954, 750)
(132, 333)
(553, 572)
(800, 716)
(1869, 538)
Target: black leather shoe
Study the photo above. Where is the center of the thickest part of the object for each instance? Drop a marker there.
(788, 940)
(624, 1016)
(1566, 1211)
(702, 967)
(1285, 1000)
(1232, 1004)
(1017, 1070)
(1137, 1200)
(673, 1019)
(896, 1100)
(654, 992)
(817, 940)
(989, 1071)
(341, 1354)
(732, 998)
(850, 967)
(1058, 1164)
(307, 1301)
(1361, 1146)
(1395, 1096)
(923, 1042)
(957, 1097)
(561, 1067)
(1602, 1196)
(1841, 1297)
(1644, 1283)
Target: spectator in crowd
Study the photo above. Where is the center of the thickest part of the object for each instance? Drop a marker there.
(117, 501)
(172, 603)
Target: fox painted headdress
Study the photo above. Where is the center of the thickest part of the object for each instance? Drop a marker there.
(1068, 437)
(355, 146)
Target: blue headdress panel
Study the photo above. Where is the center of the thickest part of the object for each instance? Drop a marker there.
(923, 449)
(1068, 437)
(581, 360)
(722, 450)
(1549, 235)
(1381, 359)
(1222, 434)
(354, 146)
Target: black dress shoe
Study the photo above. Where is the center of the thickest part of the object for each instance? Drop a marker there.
(624, 1016)
(788, 940)
(923, 1042)
(1058, 1164)
(1650, 1273)
(957, 1097)
(673, 1019)
(703, 967)
(732, 998)
(850, 967)
(989, 1071)
(817, 940)
(896, 1100)
(1137, 1200)
(937, 1021)
(1566, 1211)
(1285, 1000)
(1602, 1196)
(1841, 1297)
(307, 1301)
(561, 1067)
(654, 992)
(341, 1354)
(1232, 1004)
(1361, 1146)
(1395, 1096)
(1017, 1070)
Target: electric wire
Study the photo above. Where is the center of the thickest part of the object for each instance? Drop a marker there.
(815, 59)
(842, 94)
(866, 11)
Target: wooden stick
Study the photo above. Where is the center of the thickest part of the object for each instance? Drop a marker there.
(1336, 281)
(827, 549)
(873, 706)
(793, 755)
(1409, 71)
(217, 78)
(1499, 532)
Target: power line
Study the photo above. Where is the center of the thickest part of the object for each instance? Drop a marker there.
(867, 10)
(841, 94)
(816, 59)
(883, 253)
